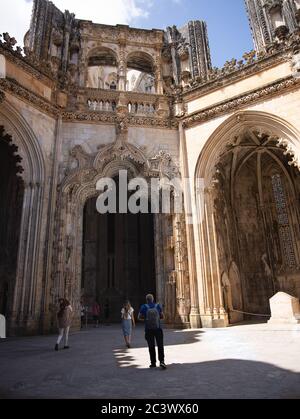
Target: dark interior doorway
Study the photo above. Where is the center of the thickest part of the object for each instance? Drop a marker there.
(118, 260)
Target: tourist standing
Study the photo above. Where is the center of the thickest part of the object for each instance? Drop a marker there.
(96, 313)
(82, 314)
(127, 316)
(152, 315)
(64, 319)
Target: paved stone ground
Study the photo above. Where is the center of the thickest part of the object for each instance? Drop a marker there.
(240, 362)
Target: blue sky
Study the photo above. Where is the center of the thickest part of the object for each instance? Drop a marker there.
(228, 26)
(227, 20)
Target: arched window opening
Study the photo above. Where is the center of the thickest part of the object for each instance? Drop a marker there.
(140, 74)
(103, 70)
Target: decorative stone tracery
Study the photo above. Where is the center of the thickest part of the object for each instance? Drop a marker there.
(248, 136)
(80, 185)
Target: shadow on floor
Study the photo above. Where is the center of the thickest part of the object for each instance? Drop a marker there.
(222, 379)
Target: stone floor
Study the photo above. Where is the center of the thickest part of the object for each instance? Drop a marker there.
(249, 361)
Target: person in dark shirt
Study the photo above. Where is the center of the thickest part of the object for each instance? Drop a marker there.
(152, 314)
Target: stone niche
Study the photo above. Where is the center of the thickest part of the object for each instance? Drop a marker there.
(2, 327)
(285, 309)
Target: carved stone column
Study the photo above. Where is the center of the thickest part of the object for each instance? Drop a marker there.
(183, 301)
(159, 76)
(166, 281)
(195, 320)
(26, 310)
(122, 69)
(51, 236)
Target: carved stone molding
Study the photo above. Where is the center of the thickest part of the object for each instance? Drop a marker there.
(117, 156)
(237, 103)
(111, 118)
(11, 86)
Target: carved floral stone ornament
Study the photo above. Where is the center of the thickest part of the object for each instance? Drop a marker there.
(295, 64)
(291, 151)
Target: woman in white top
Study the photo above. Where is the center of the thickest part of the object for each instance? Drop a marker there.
(127, 316)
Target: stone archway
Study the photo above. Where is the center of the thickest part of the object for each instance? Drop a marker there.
(248, 209)
(171, 267)
(11, 192)
(25, 298)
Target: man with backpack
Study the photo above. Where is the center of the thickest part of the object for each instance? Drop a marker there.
(152, 314)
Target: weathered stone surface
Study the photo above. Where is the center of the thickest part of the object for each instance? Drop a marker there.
(284, 309)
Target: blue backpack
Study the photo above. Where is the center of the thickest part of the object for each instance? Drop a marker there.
(152, 318)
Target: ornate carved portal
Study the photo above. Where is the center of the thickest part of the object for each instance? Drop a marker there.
(118, 259)
(250, 230)
(164, 256)
(11, 192)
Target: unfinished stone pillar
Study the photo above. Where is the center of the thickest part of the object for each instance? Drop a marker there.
(214, 314)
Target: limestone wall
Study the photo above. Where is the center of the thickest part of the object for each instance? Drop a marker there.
(29, 81)
(91, 136)
(42, 125)
(283, 107)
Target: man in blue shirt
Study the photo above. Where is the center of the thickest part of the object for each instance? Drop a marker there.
(152, 315)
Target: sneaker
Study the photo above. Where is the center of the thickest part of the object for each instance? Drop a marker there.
(67, 347)
(152, 366)
(56, 347)
(163, 366)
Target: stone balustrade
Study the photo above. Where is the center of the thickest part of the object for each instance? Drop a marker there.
(102, 105)
(141, 108)
(139, 104)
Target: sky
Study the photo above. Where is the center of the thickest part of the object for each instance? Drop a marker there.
(228, 27)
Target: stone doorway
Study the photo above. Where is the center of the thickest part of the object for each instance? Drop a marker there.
(12, 193)
(118, 259)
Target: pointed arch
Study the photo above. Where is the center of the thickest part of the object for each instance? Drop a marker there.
(26, 296)
(242, 218)
(233, 126)
(24, 138)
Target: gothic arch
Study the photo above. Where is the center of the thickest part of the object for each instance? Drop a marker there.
(26, 299)
(28, 146)
(142, 60)
(102, 50)
(238, 210)
(288, 138)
